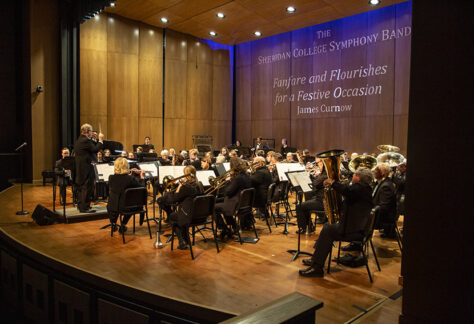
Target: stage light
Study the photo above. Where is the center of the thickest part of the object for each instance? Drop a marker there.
(257, 33)
(96, 17)
(374, 2)
(212, 33)
(136, 32)
(164, 20)
(290, 9)
(151, 32)
(112, 4)
(220, 15)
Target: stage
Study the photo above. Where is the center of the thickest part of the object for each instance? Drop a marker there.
(238, 279)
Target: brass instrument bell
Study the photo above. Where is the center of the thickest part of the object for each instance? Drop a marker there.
(391, 158)
(388, 148)
(367, 161)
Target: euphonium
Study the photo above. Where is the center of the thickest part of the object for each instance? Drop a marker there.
(332, 164)
(367, 161)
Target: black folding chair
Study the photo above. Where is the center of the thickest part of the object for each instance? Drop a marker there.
(135, 203)
(268, 211)
(244, 208)
(364, 242)
(203, 208)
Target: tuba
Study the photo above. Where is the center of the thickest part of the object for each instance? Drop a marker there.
(332, 164)
(367, 161)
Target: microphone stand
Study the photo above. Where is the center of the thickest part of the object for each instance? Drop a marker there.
(22, 211)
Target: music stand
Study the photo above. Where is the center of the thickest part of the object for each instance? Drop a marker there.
(21, 154)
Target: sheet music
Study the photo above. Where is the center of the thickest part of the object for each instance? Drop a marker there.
(226, 166)
(173, 170)
(103, 171)
(282, 168)
(149, 167)
(303, 180)
(203, 176)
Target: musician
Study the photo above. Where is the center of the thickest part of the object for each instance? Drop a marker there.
(354, 217)
(239, 180)
(184, 154)
(118, 182)
(183, 195)
(207, 162)
(148, 142)
(284, 147)
(275, 158)
(306, 157)
(261, 179)
(303, 210)
(384, 200)
(290, 158)
(193, 159)
(399, 179)
(107, 156)
(124, 154)
(63, 176)
(140, 150)
(172, 152)
(260, 153)
(220, 159)
(237, 143)
(225, 153)
(177, 159)
(268, 158)
(100, 157)
(260, 145)
(131, 156)
(85, 147)
(164, 158)
(232, 154)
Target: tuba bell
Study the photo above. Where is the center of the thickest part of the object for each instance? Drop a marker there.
(388, 148)
(391, 158)
(367, 161)
(332, 200)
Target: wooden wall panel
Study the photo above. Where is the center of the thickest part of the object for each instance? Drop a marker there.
(122, 84)
(372, 119)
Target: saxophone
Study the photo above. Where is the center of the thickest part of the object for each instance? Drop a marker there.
(332, 200)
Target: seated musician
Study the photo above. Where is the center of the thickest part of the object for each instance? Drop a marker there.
(118, 182)
(232, 153)
(220, 159)
(314, 201)
(124, 154)
(207, 162)
(275, 158)
(284, 147)
(354, 216)
(100, 157)
(239, 180)
(183, 196)
(225, 153)
(237, 143)
(260, 153)
(193, 159)
(290, 158)
(172, 153)
(261, 179)
(260, 145)
(131, 156)
(139, 150)
(107, 156)
(184, 155)
(268, 158)
(177, 159)
(164, 158)
(384, 200)
(63, 176)
(306, 157)
(148, 142)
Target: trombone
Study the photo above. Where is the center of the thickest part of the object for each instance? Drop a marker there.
(169, 181)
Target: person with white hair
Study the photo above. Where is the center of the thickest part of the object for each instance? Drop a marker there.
(85, 147)
(164, 157)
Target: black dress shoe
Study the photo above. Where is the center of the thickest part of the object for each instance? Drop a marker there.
(312, 272)
(308, 262)
(352, 247)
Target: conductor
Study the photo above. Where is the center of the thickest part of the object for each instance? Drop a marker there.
(85, 147)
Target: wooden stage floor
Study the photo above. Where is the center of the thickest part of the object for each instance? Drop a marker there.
(237, 280)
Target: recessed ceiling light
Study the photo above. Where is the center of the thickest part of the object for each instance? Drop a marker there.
(112, 4)
(220, 15)
(164, 20)
(374, 2)
(212, 33)
(257, 33)
(290, 9)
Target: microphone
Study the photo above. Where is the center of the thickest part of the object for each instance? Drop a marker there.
(21, 146)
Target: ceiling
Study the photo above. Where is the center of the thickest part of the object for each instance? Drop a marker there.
(243, 17)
